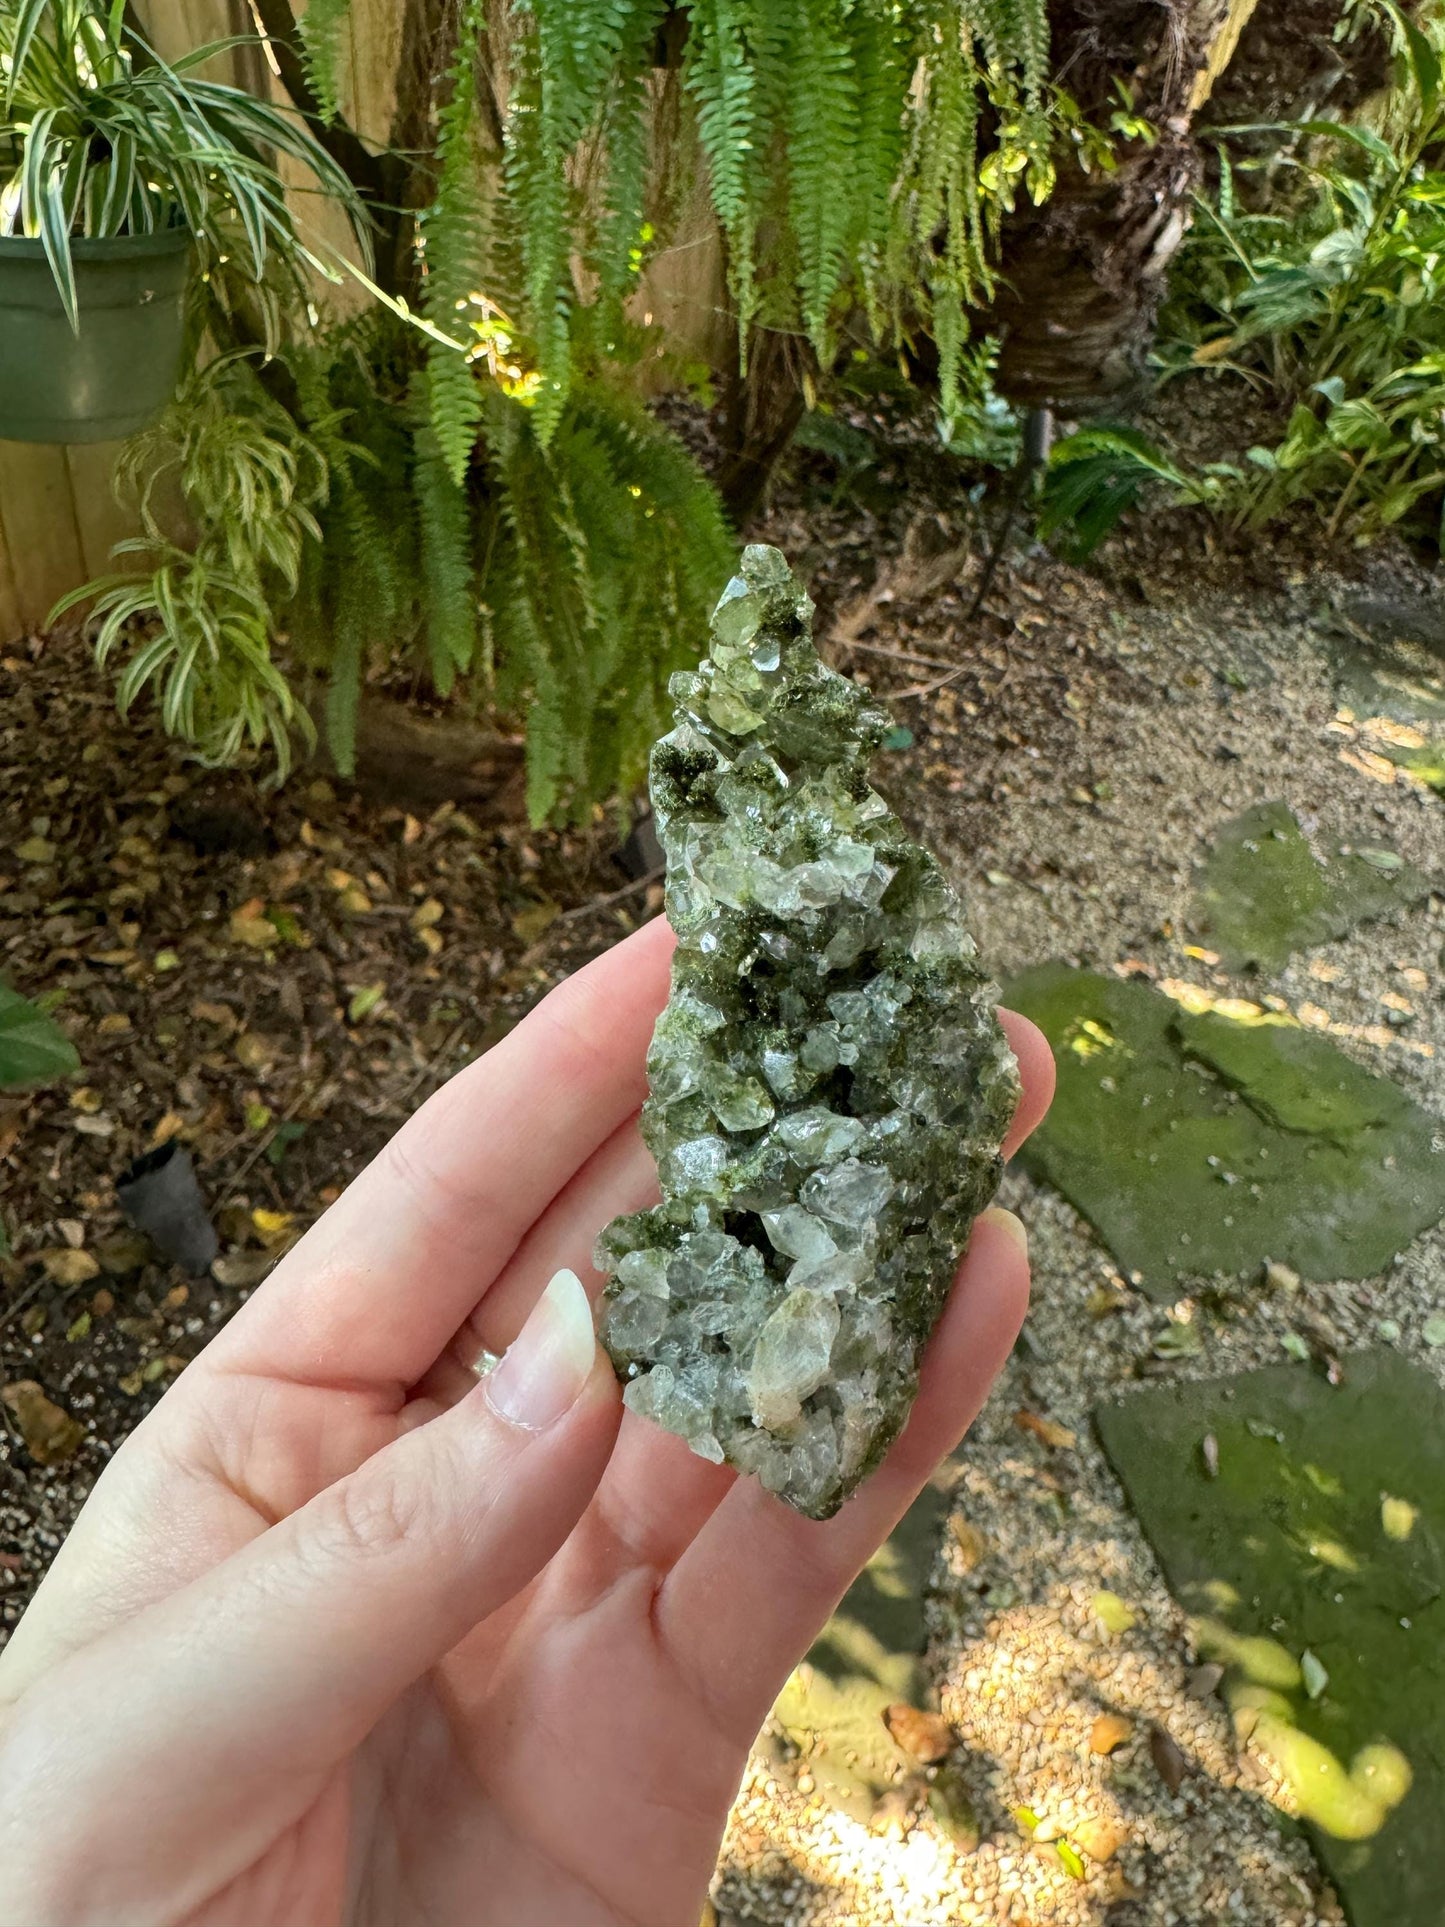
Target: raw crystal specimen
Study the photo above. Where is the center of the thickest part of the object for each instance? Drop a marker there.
(829, 1084)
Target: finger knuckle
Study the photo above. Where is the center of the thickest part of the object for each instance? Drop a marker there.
(371, 1517)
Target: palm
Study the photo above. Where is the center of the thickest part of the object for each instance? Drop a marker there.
(540, 1762)
(584, 1712)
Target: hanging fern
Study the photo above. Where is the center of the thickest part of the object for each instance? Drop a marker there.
(720, 77)
(822, 118)
(584, 646)
(447, 573)
(480, 496)
(846, 132)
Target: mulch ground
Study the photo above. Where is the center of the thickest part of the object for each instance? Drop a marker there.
(273, 979)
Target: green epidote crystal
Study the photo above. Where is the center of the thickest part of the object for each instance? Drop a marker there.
(829, 1084)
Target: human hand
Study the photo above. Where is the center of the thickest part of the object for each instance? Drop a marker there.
(343, 1636)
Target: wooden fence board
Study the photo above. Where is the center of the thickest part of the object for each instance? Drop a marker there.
(12, 620)
(101, 521)
(37, 510)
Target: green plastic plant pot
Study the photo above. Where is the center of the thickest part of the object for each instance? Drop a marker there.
(122, 368)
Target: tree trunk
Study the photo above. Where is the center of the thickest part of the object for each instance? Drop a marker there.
(761, 410)
(1083, 275)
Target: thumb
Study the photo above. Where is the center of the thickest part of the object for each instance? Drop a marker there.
(230, 1701)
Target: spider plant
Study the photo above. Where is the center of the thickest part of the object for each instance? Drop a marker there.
(99, 137)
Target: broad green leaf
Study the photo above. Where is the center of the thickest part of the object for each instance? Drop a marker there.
(1364, 138)
(1424, 61)
(33, 1048)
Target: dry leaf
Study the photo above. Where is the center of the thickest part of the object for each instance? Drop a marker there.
(112, 1024)
(1100, 1839)
(172, 1124)
(1203, 1681)
(427, 913)
(251, 926)
(973, 1548)
(364, 1001)
(1109, 1731)
(95, 1126)
(1058, 1437)
(1169, 1763)
(926, 1737)
(72, 1230)
(1112, 1613)
(85, 1100)
(530, 922)
(122, 1253)
(1397, 1516)
(432, 941)
(240, 1270)
(274, 1227)
(255, 1053)
(68, 1267)
(51, 1435)
(221, 1015)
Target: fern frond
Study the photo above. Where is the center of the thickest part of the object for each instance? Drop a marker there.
(451, 234)
(719, 75)
(822, 118)
(878, 144)
(343, 700)
(568, 58)
(444, 523)
(319, 32)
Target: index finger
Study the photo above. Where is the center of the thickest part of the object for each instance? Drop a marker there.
(378, 1286)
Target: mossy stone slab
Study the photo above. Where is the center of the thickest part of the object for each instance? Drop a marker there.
(1389, 657)
(1203, 1143)
(1265, 894)
(1314, 1562)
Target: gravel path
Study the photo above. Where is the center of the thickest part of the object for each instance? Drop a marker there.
(1111, 795)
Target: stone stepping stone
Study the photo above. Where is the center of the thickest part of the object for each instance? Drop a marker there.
(1307, 1538)
(1201, 1143)
(1265, 894)
(868, 1657)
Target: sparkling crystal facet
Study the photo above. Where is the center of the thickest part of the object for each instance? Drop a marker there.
(829, 1084)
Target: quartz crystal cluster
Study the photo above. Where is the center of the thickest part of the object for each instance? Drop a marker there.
(828, 1083)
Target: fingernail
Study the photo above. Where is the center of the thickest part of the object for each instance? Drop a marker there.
(1011, 1226)
(541, 1375)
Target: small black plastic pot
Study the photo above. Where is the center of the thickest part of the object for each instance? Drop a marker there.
(122, 367)
(161, 1196)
